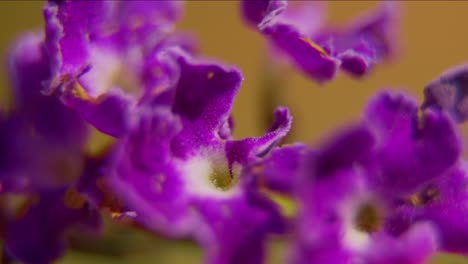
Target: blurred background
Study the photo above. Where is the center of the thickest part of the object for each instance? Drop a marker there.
(433, 37)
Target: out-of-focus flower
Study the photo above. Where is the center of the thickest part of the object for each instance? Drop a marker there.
(253, 12)
(392, 188)
(41, 155)
(106, 55)
(297, 34)
(443, 202)
(280, 169)
(412, 147)
(183, 177)
(43, 141)
(449, 92)
(383, 183)
(342, 219)
(37, 236)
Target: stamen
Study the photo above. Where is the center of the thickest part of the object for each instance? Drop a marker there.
(315, 46)
(209, 174)
(222, 179)
(79, 92)
(368, 219)
(424, 197)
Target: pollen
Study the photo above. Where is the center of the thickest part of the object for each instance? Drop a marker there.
(79, 92)
(222, 179)
(414, 200)
(210, 75)
(315, 46)
(424, 197)
(367, 218)
(123, 215)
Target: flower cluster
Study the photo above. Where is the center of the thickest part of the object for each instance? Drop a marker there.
(390, 188)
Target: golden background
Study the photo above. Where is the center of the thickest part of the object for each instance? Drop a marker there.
(433, 37)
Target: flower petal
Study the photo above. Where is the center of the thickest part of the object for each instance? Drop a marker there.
(39, 236)
(413, 247)
(281, 168)
(235, 230)
(410, 150)
(28, 66)
(248, 149)
(110, 113)
(443, 203)
(254, 12)
(147, 177)
(297, 34)
(448, 92)
(203, 98)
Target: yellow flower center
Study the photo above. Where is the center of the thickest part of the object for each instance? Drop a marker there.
(368, 218)
(222, 179)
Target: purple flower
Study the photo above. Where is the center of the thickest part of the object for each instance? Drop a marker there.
(443, 202)
(392, 188)
(279, 169)
(41, 158)
(37, 236)
(382, 191)
(399, 147)
(28, 67)
(411, 148)
(42, 140)
(107, 55)
(296, 33)
(183, 174)
(253, 12)
(414, 246)
(342, 214)
(448, 92)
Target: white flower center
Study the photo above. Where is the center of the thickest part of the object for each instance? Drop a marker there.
(361, 218)
(209, 175)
